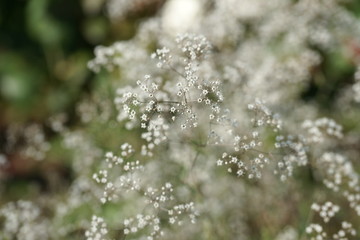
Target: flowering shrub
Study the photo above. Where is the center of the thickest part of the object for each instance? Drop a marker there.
(214, 133)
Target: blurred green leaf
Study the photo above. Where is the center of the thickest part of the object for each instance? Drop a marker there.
(41, 25)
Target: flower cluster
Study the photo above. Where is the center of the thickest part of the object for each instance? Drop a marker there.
(339, 175)
(29, 140)
(98, 230)
(22, 220)
(346, 232)
(316, 232)
(326, 211)
(294, 153)
(123, 174)
(319, 129)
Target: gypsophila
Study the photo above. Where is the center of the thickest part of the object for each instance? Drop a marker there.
(23, 220)
(98, 230)
(326, 211)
